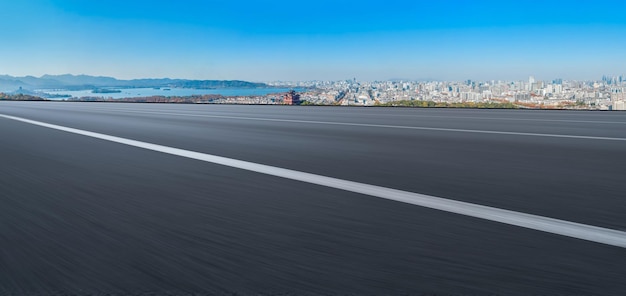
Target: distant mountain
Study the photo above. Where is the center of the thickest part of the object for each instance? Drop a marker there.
(9, 84)
(22, 91)
(76, 82)
(68, 79)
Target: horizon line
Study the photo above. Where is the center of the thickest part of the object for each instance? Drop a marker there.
(313, 80)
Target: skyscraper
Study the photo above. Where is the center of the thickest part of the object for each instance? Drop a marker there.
(531, 84)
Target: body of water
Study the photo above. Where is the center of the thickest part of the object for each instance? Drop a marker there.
(182, 92)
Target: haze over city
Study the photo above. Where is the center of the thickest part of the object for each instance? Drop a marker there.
(317, 40)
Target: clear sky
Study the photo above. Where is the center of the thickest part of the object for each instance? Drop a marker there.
(307, 40)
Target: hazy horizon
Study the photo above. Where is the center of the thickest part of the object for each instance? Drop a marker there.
(522, 78)
(321, 40)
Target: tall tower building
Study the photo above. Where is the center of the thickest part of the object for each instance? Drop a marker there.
(531, 83)
(291, 98)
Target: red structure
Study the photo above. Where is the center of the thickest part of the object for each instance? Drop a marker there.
(291, 98)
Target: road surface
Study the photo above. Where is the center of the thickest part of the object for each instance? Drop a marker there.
(88, 216)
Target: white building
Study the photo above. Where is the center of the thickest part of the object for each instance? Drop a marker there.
(619, 105)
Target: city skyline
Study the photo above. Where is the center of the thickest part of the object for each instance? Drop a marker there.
(609, 93)
(321, 40)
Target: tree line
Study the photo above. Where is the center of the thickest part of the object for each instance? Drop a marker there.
(19, 97)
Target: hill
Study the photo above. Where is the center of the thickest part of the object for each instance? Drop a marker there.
(76, 82)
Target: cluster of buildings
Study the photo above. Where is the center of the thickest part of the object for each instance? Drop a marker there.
(609, 93)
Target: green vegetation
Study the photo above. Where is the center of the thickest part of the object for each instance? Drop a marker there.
(195, 99)
(431, 104)
(307, 103)
(19, 97)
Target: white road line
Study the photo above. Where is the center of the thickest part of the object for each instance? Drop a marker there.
(516, 119)
(379, 125)
(416, 115)
(107, 108)
(448, 117)
(545, 224)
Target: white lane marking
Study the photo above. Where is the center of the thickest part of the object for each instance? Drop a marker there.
(545, 224)
(105, 106)
(440, 116)
(378, 125)
(516, 119)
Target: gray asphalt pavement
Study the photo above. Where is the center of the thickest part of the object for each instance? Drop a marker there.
(83, 216)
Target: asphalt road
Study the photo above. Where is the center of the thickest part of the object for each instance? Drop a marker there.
(84, 216)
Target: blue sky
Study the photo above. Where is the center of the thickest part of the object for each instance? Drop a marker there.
(306, 40)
